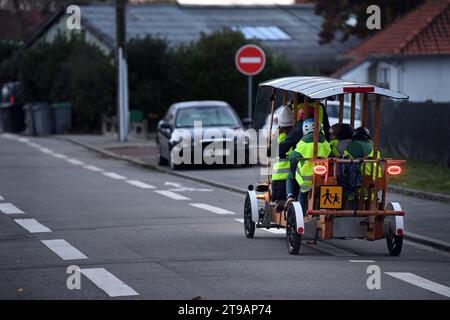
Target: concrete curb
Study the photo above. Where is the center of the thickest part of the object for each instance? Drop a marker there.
(427, 241)
(408, 235)
(419, 194)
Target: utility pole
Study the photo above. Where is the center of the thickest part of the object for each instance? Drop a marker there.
(121, 69)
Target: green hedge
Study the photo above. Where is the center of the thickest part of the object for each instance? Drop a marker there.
(159, 74)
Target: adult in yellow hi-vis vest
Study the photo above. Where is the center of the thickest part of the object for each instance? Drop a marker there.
(305, 150)
(280, 169)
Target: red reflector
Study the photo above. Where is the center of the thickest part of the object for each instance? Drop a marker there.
(358, 89)
(309, 212)
(300, 230)
(11, 100)
(399, 232)
(320, 170)
(394, 170)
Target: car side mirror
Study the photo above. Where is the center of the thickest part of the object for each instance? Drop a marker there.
(165, 126)
(247, 122)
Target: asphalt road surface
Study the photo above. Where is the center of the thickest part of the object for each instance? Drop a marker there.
(139, 234)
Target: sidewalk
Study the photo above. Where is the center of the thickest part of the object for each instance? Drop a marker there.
(426, 221)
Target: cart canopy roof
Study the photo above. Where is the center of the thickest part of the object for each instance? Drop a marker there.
(323, 87)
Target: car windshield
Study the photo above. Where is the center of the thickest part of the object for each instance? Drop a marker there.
(333, 111)
(209, 116)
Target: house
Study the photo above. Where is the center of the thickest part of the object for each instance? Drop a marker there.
(14, 27)
(411, 55)
(291, 30)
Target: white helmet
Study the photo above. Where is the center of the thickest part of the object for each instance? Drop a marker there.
(308, 126)
(285, 117)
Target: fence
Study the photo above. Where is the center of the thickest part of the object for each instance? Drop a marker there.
(415, 131)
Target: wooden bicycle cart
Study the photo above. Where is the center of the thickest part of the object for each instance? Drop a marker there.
(371, 218)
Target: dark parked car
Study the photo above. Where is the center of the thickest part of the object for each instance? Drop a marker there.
(176, 129)
(11, 108)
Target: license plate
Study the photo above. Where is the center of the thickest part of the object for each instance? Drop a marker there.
(330, 197)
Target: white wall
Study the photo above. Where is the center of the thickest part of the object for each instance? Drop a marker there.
(421, 78)
(426, 79)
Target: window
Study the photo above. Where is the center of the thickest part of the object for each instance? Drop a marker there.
(265, 33)
(383, 76)
(209, 116)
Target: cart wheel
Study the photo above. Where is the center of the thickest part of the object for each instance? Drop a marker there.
(394, 240)
(293, 238)
(249, 225)
(394, 243)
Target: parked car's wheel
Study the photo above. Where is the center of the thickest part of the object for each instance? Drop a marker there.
(161, 160)
(293, 238)
(249, 225)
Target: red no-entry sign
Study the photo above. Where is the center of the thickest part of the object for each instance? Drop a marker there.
(250, 60)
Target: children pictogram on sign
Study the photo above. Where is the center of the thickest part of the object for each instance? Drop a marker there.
(327, 196)
(330, 197)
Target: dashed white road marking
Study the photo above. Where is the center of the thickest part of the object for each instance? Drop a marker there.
(109, 283)
(362, 261)
(9, 208)
(177, 187)
(93, 168)
(239, 220)
(140, 184)
(114, 175)
(172, 195)
(208, 207)
(325, 247)
(75, 161)
(421, 282)
(45, 150)
(34, 145)
(25, 140)
(64, 249)
(59, 156)
(32, 225)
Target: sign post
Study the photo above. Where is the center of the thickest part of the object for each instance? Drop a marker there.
(250, 60)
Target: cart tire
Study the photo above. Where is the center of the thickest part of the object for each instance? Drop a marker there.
(293, 239)
(394, 243)
(249, 224)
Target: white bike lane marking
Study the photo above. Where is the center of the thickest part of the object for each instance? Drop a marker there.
(210, 208)
(32, 225)
(140, 184)
(171, 195)
(64, 249)
(109, 283)
(113, 175)
(9, 208)
(93, 168)
(75, 161)
(420, 282)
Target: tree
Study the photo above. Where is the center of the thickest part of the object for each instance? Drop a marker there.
(348, 17)
(207, 69)
(70, 70)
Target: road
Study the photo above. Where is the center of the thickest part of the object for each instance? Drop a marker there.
(139, 234)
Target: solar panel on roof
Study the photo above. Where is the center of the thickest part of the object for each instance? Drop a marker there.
(265, 33)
